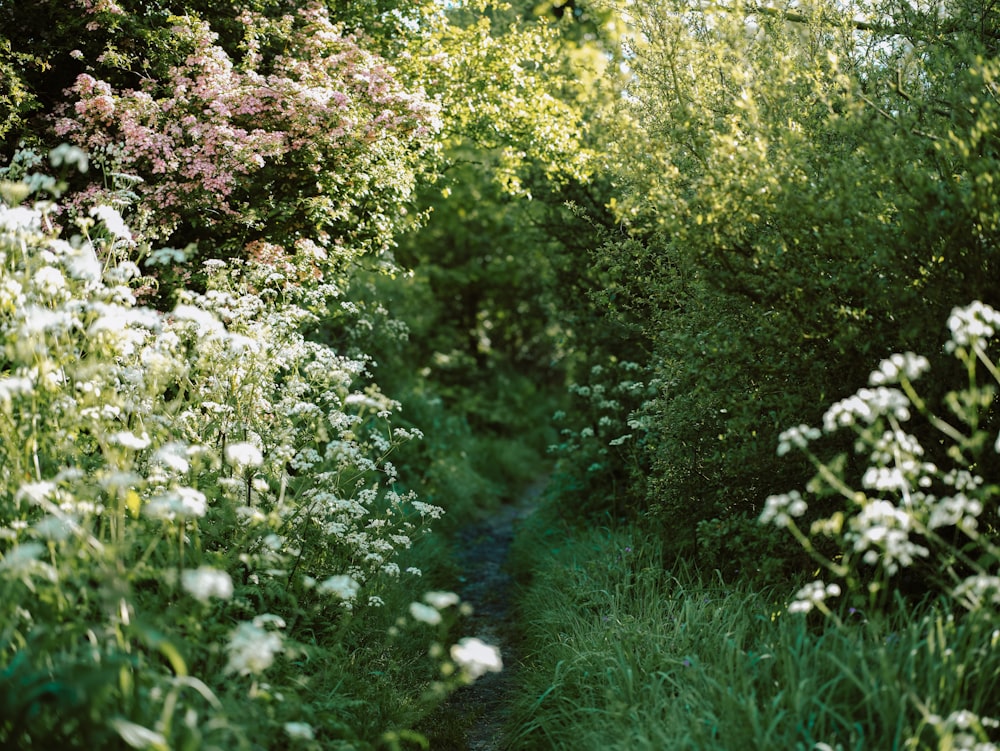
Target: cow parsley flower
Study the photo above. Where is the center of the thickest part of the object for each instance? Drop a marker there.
(779, 509)
(49, 281)
(908, 366)
(811, 595)
(252, 648)
(206, 582)
(342, 585)
(112, 221)
(172, 455)
(866, 406)
(882, 532)
(441, 600)
(130, 440)
(300, 731)
(425, 613)
(476, 658)
(181, 501)
(797, 437)
(243, 455)
(972, 325)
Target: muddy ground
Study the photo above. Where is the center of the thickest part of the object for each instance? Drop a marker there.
(483, 550)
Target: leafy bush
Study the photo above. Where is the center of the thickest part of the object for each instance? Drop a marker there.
(199, 507)
(258, 153)
(920, 495)
(810, 197)
(601, 449)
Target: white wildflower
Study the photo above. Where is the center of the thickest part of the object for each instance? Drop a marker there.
(342, 585)
(363, 400)
(11, 294)
(441, 600)
(130, 440)
(15, 386)
(866, 406)
(19, 219)
(49, 281)
(956, 510)
(979, 591)
(426, 509)
(779, 509)
(908, 366)
(81, 262)
(252, 649)
(180, 501)
(797, 437)
(172, 455)
(881, 531)
(885, 479)
(206, 322)
(34, 492)
(476, 657)
(811, 595)
(112, 221)
(971, 325)
(425, 613)
(206, 582)
(300, 731)
(66, 153)
(243, 455)
(166, 256)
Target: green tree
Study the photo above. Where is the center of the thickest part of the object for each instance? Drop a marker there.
(816, 190)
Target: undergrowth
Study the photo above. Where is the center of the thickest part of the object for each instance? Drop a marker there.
(625, 653)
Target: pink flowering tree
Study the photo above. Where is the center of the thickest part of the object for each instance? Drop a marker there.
(314, 149)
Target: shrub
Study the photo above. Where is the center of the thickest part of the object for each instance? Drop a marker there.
(199, 508)
(919, 497)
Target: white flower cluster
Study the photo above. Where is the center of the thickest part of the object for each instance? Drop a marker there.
(183, 425)
(908, 366)
(971, 326)
(811, 595)
(964, 730)
(881, 532)
(779, 509)
(205, 582)
(866, 406)
(476, 658)
(343, 586)
(978, 591)
(430, 613)
(896, 466)
(252, 647)
(797, 437)
(907, 500)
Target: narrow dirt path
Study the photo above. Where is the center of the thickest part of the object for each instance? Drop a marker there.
(487, 586)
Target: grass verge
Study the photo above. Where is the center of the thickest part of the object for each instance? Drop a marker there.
(623, 653)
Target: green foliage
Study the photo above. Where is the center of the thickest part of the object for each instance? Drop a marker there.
(193, 501)
(902, 508)
(815, 190)
(624, 654)
(601, 443)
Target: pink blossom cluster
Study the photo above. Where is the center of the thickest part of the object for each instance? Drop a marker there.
(210, 138)
(100, 6)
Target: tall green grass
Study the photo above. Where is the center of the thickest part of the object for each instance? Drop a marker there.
(626, 654)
